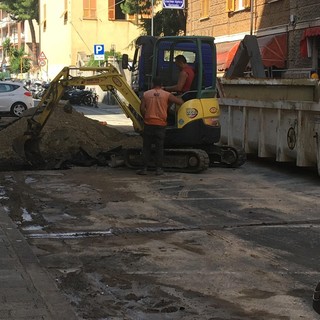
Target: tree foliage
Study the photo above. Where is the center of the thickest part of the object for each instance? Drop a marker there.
(132, 7)
(108, 54)
(166, 22)
(19, 60)
(21, 10)
(24, 10)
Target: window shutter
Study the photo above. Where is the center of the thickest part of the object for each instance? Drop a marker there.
(86, 9)
(205, 8)
(230, 5)
(247, 3)
(112, 11)
(93, 7)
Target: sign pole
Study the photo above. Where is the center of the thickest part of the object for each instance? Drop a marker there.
(152, 18)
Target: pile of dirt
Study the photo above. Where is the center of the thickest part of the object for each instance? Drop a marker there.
(67, 138)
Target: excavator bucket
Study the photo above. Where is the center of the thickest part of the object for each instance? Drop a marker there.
(27, 147)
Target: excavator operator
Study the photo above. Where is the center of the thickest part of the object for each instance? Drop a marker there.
(186, 76)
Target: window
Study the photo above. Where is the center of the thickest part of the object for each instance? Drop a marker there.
(189, 55)
(204, 8)
(8, 87)
(236, 5)
(89, 9)
(115, 12)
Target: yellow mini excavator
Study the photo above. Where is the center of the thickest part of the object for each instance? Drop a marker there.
(192, 136)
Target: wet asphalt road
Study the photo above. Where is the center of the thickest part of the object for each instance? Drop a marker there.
(224, 244)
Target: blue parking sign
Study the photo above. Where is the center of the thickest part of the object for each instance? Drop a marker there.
(173, 4)
(98, 49)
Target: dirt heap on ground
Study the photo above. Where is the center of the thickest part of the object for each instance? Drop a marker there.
(68, 137)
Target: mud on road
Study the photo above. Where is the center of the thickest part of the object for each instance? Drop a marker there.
(225, 244)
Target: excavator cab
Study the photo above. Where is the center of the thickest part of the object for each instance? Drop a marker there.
(196, 122)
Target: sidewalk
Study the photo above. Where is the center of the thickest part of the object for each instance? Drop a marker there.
(26, 290)
(112, 115)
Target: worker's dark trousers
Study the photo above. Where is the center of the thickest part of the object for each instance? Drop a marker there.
(153, 136)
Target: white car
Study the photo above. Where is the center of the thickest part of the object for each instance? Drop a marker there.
(15, 98)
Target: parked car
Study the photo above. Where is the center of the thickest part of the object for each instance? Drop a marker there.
(14, 98)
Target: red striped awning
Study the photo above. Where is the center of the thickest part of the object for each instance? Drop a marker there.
(225, 54)
(307, 33)
(274, 50)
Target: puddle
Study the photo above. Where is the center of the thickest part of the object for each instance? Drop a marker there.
(70, 235)
(3, 195)
(30, 180)
(57, 217)
(26, 216)
(32, 228)
(10, 179)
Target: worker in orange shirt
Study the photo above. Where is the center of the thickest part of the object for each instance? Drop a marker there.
(154, 109)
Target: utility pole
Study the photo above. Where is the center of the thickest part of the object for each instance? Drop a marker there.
(251, 16)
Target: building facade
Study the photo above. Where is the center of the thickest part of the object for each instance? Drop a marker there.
(288, 31)
(69, 30)
(18, 33)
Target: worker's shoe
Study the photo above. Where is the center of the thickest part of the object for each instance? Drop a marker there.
(142, 172)
(159, 171)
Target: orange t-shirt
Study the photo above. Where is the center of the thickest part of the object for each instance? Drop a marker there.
(189, 70)
(156, 102)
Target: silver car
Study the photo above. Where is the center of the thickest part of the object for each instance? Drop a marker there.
(15, 98)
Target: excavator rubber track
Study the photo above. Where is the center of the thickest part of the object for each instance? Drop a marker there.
(175, 160)
(226, 156)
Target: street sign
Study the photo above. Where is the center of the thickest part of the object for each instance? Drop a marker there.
(98, 51)
(173, 4)
(42, 62)
(42, 56)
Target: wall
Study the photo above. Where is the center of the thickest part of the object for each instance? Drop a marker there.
(306, 14)
(269, 17)
(226, 26)
(62, 41)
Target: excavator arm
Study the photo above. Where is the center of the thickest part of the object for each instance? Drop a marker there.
(108, 78)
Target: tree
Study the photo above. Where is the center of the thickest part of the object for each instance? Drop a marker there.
(132, 7)
(24, 10)
(95, 63)
(18, 60)
(167, 22)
